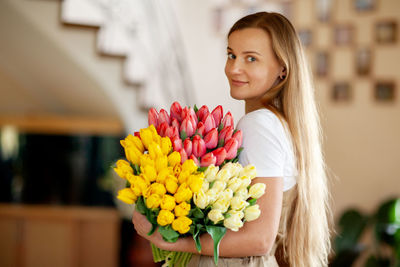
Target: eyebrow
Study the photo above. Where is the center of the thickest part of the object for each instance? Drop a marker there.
(245, 52)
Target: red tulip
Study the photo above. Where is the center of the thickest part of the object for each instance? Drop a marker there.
(220, 154)
(171, 131)
(231, 147)
(228, 119)
(217, 113)
(196, 161)
(207, 160)
(225, 134)
(184, 156)
(188, 126)
(187, 145)
(175, 131)
(163, 117)
(136, 134)
(209, 123)
(239, 137)
(153, 117)
(186, 111)
(202, 112)
(175, 123)
(198, 146)
(201, 129)
(211, 139)
(176, 111)
(162, 129)
(176, 143)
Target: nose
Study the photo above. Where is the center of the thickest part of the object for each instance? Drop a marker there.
(233, 66)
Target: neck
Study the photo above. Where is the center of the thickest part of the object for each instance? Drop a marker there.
(252, 105)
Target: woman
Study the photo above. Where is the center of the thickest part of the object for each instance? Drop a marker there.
(266, 67)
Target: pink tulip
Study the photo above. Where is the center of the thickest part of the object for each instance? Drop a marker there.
(198, 146)
(171, 131)
(184, 156)
(196, 161)
(162, 129)
(207, 160)
(231, 147)
(188, 126)
(175, 123)
(225, 134)
(239, 137)
(176, 111)
(163, 117)
(175, 131)
(228, 119)
(200, 128)
(176, 143)
(218, 113)
(202, 112)
(186, 111)
(187, 145)
(220, 154)
(153, 117)
(211, 139)
(209, 123)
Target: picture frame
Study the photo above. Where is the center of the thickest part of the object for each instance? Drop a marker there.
(324, 10)
(385, 91)
(363, 61)
(322, 63)
(305, 36)
(344, 35)
(364, 5)
(341, 92)
(386, 32)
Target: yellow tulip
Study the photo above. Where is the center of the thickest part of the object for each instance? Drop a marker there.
(174, 158)
(133, 154)
(161, 163)
(166, 145)
(165, 217)
(200, 199)
(131, 140)
(195, 182)
(182, 224)
(156, 188)
(126, 195)
(182, 178)
(168, 202)
(182, 209)
(145, 160)
(123, 168)
(136, 190)
(154, 150)
(183, 193)
(153, 130)
(162, 175)
(189, 166)
(141, 183)
(149, 172)
(171, 183)
(153, 201)
(146, 136)
(177, 169)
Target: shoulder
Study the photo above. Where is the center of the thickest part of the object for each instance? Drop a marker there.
(261, 121)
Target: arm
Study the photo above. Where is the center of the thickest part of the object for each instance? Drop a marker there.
(255, 238)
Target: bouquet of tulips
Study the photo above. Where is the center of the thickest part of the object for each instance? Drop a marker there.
(182, 174)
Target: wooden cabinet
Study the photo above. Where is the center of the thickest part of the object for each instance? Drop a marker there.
(49, 236)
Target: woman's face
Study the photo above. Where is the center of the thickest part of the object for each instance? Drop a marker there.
(251, 67)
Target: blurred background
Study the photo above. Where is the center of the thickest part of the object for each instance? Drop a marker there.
(76, 76)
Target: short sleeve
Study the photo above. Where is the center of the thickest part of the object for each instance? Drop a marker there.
(264, 143)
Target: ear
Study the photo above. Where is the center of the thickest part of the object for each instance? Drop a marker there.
(282, 74)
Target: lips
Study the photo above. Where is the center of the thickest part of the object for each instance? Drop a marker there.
(238, 82)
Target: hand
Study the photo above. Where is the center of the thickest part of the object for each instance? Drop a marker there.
(143, 226)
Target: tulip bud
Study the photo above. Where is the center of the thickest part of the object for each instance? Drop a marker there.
(187, 126)
(257, 190)
(208, 159)
(200, 199)
(231, 147)
(201, 129)
(211, 139)
(239, 137)
(217, 114)
(228, 119)
(175, 123)
(211, 173)
(220, 154)
(233, 222)
(184, 156)
(176, 111)
(196, 161)
(209, 123)
(153, 117)
(215, 216)
(163, 117)
(187, 144)
(251, 213)
(176, 143)
(198, 146)
(202, 112)
(225, 134)
(189, 112)
(162, 129)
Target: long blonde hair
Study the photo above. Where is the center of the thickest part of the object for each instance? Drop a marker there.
(306, 238)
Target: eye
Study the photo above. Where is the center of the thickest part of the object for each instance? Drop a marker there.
(251, 59)
(231, 56)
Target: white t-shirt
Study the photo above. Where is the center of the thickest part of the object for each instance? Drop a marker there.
(268, 146)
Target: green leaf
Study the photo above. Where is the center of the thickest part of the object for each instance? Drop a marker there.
(252, 201)
(240, 149)
(183, 135)
(153, 229)
(220, 127)
(196, 238)
(140, 206)
(202, 169)
(220, 143)
(197, 213)
(211, 184)
(195, 108)
(136, 169)
(216, 233)
(127, 184)
(168, 233)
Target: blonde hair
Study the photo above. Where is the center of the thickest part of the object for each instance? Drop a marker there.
(305, 223)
